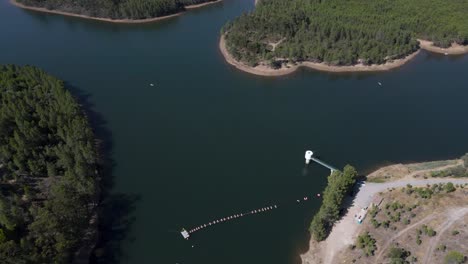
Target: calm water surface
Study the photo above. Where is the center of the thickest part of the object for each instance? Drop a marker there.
(208, 141)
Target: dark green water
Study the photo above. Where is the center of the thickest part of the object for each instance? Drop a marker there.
(208, 141)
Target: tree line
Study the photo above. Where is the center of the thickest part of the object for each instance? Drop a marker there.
(115, 9)
(339, 185)
(343, 32)
(48, 169)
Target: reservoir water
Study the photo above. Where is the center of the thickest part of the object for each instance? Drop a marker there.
(208, 141)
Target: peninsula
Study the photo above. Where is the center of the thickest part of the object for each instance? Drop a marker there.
(402, 214)
(49, 172)
(127, 11)
(341, 36)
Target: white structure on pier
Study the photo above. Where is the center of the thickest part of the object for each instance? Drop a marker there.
(308, 156)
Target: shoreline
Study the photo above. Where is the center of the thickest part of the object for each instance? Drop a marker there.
(110, 20)
(263, 70)
(455, 49)
(202, 4)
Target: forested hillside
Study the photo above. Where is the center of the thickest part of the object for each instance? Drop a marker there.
(48, 169)
(344, 32)
(115, 9)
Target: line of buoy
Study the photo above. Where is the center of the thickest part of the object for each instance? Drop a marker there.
(235, 216)
(232, 217)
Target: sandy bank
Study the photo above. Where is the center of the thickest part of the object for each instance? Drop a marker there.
(202, 4)
(265, 70)
(453, 50)
(122, 21)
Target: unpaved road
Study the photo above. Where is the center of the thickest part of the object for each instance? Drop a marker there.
(453, 216)
(402, 232)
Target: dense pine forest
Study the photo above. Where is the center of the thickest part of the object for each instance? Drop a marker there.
(344, 32)
(115, 9)
(48, 169)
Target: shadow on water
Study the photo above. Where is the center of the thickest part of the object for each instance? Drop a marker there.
(115, 210)
(304, 238)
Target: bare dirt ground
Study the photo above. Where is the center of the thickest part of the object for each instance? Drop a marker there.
(453, 215)
(413, 170)
(449, 216)
(345, 232)
(400, 233)
(444, 213)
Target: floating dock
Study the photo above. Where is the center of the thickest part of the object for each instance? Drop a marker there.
(185, 234)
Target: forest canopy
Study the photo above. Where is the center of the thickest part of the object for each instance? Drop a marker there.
(48, 169)
(115, 9)
(344, 32)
